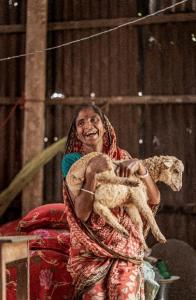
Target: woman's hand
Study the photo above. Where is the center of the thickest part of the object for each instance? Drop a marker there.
(129, 167)
(97, 164)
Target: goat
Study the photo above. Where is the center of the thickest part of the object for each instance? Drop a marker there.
(112, 191)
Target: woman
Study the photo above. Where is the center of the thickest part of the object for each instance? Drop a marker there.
(103, 263)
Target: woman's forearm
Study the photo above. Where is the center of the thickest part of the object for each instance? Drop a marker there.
(152, 189)
(84, 201)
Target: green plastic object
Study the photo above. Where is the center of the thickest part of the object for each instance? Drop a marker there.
(163, 269)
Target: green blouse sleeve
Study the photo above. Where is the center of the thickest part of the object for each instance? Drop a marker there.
(67, 162)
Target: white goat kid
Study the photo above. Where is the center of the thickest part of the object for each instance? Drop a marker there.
(112, 191)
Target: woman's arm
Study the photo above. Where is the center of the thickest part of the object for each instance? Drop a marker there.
(84, 201)
(152, 189)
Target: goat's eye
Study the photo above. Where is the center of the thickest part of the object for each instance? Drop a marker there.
(175, 171)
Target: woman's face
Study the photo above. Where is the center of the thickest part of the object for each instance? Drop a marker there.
(90, 128)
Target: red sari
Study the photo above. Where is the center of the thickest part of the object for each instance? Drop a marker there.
(103, 263)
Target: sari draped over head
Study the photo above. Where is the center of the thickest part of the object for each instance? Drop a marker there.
(103, 263)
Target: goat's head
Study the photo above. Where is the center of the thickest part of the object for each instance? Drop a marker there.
(171, 172)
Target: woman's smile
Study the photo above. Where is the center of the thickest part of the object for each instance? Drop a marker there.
(92, 134)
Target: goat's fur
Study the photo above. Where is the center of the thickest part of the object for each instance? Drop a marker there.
(112, 191)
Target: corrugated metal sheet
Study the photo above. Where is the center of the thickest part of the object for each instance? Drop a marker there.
(153, 60)
(105, 65)
(58, 120)
(167, 57)
(12, 12)
(10, 154)
(67, 10)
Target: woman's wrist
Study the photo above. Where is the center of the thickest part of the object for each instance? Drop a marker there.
(87, 191)
(143, 175)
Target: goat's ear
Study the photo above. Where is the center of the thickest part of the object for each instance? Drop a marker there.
(167, 162)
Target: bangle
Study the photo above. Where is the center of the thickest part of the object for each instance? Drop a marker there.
(88, 191)
(144, 175)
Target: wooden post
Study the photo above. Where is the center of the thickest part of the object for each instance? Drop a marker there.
(35, 77)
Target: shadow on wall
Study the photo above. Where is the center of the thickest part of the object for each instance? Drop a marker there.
(181, 260)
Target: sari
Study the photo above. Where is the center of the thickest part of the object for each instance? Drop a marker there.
(103, 263)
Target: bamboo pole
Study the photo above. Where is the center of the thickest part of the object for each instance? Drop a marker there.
(28, 172)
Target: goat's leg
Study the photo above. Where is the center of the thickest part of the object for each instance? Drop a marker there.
(105, 212)
(135, 217)
(138, 197)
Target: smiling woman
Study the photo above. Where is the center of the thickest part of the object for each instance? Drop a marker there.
(85, 135)
(90, 130)
(102, 262)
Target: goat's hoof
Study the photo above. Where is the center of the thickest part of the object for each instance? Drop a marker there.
(146, 249)
(163, 240)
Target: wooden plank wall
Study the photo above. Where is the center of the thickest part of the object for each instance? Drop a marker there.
(11, 86)
(153, 59)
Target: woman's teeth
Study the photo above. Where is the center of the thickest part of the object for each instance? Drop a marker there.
(91, 134)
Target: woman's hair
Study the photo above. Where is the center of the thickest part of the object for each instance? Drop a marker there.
(97, 110)
(86, 106)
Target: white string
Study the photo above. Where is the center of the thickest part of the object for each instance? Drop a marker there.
(96, 34)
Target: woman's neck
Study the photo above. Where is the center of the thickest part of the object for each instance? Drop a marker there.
(92, 148)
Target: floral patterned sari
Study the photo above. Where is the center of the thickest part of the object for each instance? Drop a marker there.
(103, 263)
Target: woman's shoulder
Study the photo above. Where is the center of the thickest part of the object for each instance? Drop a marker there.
(68, 160)
(72, 156)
